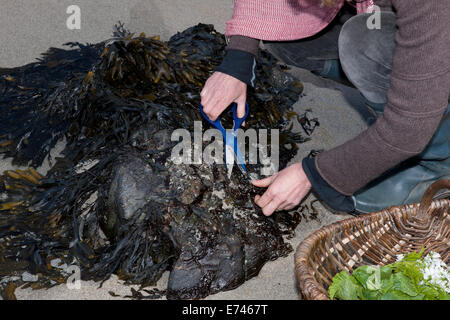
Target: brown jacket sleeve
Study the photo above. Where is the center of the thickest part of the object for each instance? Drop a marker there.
(417, 99)
(244, 43)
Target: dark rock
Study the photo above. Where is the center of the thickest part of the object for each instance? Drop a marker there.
(149, 138)
(135, 183)
(185, 183)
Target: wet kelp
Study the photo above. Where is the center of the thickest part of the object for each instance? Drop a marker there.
(115, 202)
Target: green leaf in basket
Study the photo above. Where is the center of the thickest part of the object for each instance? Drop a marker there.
(414, 256)
(344, 287)
(386, 272)
(430, 293)
(367, 294)
(404, 284)
(387, 284)
(433, 292)
(395, 295)
(411, 269)
(362, 274)
(374, 280)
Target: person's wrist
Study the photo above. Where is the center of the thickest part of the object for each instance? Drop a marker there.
(303, 176)
(226, 75)
(327, 194)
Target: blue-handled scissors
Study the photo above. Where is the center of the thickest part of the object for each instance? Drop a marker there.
(232, 151)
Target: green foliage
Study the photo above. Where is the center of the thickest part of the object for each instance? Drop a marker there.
(402, 280)
(344, 287)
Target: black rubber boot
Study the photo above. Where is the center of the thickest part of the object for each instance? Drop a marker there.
(407, 182)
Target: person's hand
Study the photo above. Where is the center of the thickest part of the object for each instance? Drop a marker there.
(220, 91)
(285, 189)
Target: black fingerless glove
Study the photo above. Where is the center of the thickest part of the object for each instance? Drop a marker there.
(239, 64)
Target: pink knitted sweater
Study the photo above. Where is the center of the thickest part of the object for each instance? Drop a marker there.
(283, 20)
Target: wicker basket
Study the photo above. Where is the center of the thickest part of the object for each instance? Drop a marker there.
(373, 239)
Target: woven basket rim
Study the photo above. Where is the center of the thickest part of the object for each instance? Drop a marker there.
(307, 245)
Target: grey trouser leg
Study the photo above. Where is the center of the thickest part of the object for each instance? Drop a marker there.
(366, 55)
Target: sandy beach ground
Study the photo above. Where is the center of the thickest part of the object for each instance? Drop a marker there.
(29, 28)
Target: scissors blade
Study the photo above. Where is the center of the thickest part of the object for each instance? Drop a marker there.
(229, 158)
(233, 157)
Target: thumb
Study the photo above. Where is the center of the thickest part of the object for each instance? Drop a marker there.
(264, 182)
(241, 108)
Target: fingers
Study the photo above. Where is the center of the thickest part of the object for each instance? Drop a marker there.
(213, 108)
(219, 92)
(264, 200)
(285, 190)
(268, 196)
(241, 109)
(283, 206)
(213, 104)
(286, 206)
(291, 202)
(268, 205)
(204, 91)
(211, 98)
(264, 182)
(271, 207)
(272, 201)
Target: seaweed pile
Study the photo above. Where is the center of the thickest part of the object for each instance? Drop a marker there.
(115, 202)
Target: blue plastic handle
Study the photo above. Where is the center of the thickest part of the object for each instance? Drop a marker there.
(237, 121)
(216, 123)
